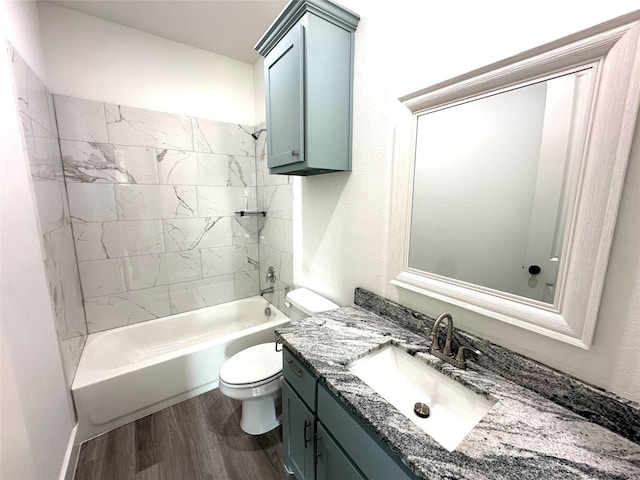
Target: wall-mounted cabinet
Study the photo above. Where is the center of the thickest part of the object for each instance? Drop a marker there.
(308, 75)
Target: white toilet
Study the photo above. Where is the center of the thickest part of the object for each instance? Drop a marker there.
(254, 375)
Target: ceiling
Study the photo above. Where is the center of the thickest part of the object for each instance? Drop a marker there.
(227, 27)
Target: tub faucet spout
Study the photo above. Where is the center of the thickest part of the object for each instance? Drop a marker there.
(266, 290)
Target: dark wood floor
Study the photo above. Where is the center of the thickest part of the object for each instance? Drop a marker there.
(199, 439)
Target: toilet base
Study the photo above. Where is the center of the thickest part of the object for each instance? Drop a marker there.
(259, 415)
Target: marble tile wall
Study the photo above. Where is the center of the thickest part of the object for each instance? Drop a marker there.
(35, 104)
(152, 198)
(275, 196)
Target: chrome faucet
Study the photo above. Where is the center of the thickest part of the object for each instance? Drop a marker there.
(445, 353)
(446, 350)
(266, 290)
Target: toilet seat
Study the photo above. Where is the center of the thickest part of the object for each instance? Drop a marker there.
(252, 367)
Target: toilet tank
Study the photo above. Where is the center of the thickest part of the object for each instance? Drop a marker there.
(305, 303)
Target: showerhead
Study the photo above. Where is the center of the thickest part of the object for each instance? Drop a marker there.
(256, 135)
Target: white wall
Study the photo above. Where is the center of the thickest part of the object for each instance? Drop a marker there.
(341, 220)
(258, 91)
(91, 58)
(36, 418)
(22, 28)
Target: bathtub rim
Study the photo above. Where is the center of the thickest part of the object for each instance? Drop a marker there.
(86, 376)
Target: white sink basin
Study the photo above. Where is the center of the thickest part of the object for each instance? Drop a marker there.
(403, 381)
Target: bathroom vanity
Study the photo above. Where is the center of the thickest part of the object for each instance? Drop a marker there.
(322, 439)
(308, 78)
(336, 426)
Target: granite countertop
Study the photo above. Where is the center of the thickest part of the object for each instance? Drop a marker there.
(524, 435)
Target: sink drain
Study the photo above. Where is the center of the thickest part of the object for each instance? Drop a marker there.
(422, 410)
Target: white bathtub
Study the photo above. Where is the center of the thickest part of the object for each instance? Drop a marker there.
(132, 371)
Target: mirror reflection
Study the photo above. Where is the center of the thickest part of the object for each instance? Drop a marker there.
(492, 180)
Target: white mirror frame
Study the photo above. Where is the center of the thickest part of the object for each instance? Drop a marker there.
(613, 50)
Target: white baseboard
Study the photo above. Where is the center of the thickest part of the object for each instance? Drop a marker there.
(70, 462)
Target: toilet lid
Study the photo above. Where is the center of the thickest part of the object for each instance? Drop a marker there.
(252, 365)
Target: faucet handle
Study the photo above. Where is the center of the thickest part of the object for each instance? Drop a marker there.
(460, 357)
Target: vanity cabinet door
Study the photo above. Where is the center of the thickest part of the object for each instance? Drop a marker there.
(332, 462)
(298, 431)
(284, 94)
(365, 450)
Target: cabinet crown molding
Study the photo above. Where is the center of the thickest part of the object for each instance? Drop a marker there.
(295, 10)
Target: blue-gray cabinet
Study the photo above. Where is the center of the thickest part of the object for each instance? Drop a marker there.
(366, 451)
(322, 439)
(298, 435)
(333, 463)
(308, 75)
(298, 417)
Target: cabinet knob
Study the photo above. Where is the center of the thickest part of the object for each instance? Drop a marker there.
(534, 269)
(294, 153)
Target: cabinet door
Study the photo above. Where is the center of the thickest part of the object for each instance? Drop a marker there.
(332, 462)
(284, 95)
(372, 457)
(298, 430)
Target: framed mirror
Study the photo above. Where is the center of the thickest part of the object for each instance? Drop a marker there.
(507, 181)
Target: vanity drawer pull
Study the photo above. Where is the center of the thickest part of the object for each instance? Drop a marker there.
(295, 370)
(307, 424)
